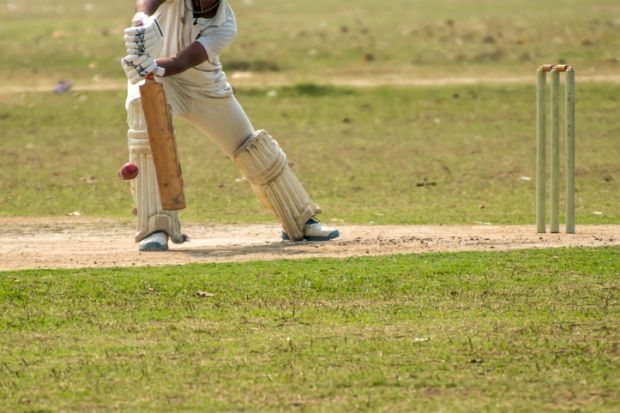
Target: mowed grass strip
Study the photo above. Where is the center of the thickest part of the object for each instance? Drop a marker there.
(457, 154)
(522, 331)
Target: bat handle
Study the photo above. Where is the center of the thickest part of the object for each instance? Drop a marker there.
(150, 77)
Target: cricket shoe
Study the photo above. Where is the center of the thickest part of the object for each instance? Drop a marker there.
(157, 241)
(315, 231)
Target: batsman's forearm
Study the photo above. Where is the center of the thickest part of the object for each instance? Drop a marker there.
(148, 6)
(191, 56)
(172, 64)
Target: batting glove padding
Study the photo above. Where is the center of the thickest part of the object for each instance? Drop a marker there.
(144, 37)
(139, 67)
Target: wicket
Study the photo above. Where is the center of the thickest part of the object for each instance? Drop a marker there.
(541, 149)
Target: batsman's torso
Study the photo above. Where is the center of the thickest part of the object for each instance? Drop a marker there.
(180, 30)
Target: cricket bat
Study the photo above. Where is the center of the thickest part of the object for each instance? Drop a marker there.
(163, 145)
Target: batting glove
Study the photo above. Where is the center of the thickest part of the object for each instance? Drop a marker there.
(137, 68)
(144, 37)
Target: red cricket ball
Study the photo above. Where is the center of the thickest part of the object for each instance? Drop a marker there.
(128, 171)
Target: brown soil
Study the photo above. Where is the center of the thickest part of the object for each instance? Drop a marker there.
(78, 242)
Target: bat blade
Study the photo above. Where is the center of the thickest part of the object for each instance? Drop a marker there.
(163, 145)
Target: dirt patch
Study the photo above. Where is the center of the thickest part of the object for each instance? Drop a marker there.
(78, 242)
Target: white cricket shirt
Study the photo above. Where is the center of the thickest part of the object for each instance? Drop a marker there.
(180, 30)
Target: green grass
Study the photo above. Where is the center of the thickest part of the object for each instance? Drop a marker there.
(453, 154)
(312, 39)
(523, 331)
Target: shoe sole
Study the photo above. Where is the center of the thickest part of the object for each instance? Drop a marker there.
(332, 235)
(153, 247)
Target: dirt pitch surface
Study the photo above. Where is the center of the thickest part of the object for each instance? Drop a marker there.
(78, 242)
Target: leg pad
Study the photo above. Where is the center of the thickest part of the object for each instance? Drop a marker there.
(151, 217)
(265, 166)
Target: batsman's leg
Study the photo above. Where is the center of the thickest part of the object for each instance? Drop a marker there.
(264, 164)
(154, 224)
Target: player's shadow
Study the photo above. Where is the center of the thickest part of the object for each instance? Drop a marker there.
(279, 248)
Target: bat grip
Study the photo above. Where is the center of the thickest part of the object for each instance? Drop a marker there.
(150, 76)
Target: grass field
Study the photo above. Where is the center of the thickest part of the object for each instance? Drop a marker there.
(314, 39)
(523, 331)
(526, 331)
(457, 154)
